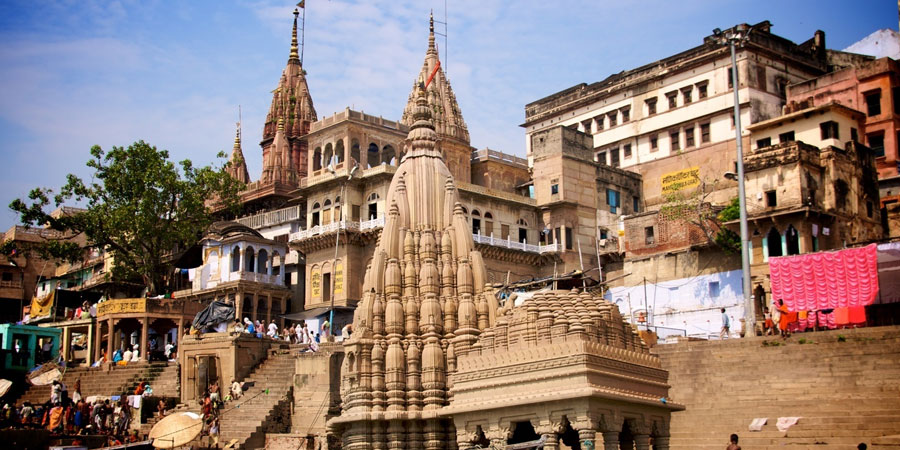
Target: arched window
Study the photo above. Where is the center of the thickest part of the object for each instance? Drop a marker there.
(326, 212)
(476, 222)
(388, 156)
(523, 230)
(373, 206)
(372, 156)
(488, 224)
(328, 156)
(235, 259)
(249, 258)
(317, 158)
(792, 240)
(339, 151)
(773, 243)
(213, 262)
(314, 219)
(262, 261)
(354, 150)
(337, 209)
(276, 264)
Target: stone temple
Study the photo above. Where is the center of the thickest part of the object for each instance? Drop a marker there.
(435, 361)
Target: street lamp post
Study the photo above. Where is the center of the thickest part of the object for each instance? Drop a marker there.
(732, 38)
(337, 242)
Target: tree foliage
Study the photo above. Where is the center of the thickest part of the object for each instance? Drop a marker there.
(726, 239)
(139, 207)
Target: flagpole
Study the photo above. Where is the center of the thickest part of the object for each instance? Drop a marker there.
(302, 30)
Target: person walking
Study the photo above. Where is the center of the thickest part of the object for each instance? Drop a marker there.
(733, 445)
(726, 325)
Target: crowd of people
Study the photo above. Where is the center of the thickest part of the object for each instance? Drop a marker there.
(295, 334)
(79, 416)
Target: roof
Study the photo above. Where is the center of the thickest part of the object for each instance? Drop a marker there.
(794, 115)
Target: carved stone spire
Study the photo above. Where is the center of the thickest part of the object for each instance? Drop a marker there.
(238, 167)
(292, 106)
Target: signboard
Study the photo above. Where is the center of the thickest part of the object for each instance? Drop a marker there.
(122, 305)
(315, 280)
(683, 179)
(339, 278)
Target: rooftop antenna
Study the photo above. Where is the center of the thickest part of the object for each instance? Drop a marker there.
(446, 31)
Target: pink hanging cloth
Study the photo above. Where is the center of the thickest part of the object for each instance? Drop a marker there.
(826, 280)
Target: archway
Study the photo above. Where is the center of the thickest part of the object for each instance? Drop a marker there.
(262, 261)
(773, 243)
(339, 151)
(235, 259)
(373, 158)
(250, 258)
(317, 158)
(792, 240)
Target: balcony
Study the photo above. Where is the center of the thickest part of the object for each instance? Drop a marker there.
(271, 218)
(365, 225)
(510, 244)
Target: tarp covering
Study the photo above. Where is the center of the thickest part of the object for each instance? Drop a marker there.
(44, 374)
(214, 314)
(826, 280)
(42, 307)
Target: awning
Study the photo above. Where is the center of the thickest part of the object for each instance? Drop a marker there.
(313, 313)
(826, 280)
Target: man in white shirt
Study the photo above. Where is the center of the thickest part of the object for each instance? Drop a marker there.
(136, 356)
(273, 330)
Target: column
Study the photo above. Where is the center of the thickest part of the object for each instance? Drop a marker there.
(109, 341)
(585, 436)
(91, 356)
(145, 328)
(660, 436)
(661, 443)
(255, 306)
(271, 261)
(268, 307)
(610, 427)
(180, 332)
(66, 336)
(549, 431)
(239, 306)
(96, 340)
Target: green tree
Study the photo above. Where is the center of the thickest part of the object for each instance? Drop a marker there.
(139, 206)
(726, 239)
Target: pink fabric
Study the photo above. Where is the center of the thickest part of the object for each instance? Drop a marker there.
(826, 280)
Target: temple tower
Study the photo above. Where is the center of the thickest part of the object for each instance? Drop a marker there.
(451, 132)
(288, 120)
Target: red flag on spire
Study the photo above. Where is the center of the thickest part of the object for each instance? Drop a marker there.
(302, 4)
(433, 73)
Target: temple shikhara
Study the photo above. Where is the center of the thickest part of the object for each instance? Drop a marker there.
(408, 290)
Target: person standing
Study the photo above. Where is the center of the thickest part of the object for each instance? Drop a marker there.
(734, 443)
(726, 325)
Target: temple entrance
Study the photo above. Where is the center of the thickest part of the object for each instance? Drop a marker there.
(522, 432)
(206, 372)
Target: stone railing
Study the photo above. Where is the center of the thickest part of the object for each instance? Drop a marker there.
(487, 153)
(334, 226)
(259, 277)
(271, 218)
(508, 243)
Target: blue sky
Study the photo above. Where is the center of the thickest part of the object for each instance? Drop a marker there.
(75, 73)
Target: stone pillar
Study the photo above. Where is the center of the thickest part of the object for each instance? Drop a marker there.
(585, 436)
(180, 332)
(110, 344)
(92, 345)
(463, 439)
(269, 265)
(640, 431)
(65, 343)
(642, 442)
(255, 307)
(498, 436)
(661, 443)
(239, 306)
(268, 308)
(145, 329)
(610, 427)
(550, 432)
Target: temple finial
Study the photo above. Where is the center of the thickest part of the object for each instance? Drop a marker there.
(295, 55)
(431, 48)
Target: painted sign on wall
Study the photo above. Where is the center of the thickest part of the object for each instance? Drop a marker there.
(682, 179)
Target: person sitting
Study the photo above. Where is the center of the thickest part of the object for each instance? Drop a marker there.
(250, 328)
(236, 390)
(136, 356)
(127, 356)
(161, 408)
(139, 390)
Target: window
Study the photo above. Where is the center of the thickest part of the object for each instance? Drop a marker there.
(648, 235)
(869, 208)
(686, 95)
(603, 234)
(786, 137)
(635, 203)
(689, 137)
(764, 142)
(651, 106)
(854, 135)
(702, 90)
(612, 199)
(771, 198)
(674, 140)
(873, 102)
(568, 238)
(614, 157)
(599, 121)
(504, 231)
(587, 125)
(713, 289)
(673, 99)
(626, 114)
(627, 150)
(612, 118)
(523, 231)
(654, 142)
(730, 78)
(829, 130)
(554, 188)
(876, 143)
(792, 240)
(773, 243)
(601, 158)
(704, 133)
(556, 235)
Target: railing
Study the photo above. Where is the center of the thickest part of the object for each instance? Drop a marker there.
(499, 156)
(258, 277)
(508, 243)
(271, 218)
(334, 226)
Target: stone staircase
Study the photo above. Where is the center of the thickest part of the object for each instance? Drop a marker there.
(103, 381)
(256, 412)
(844, 384)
